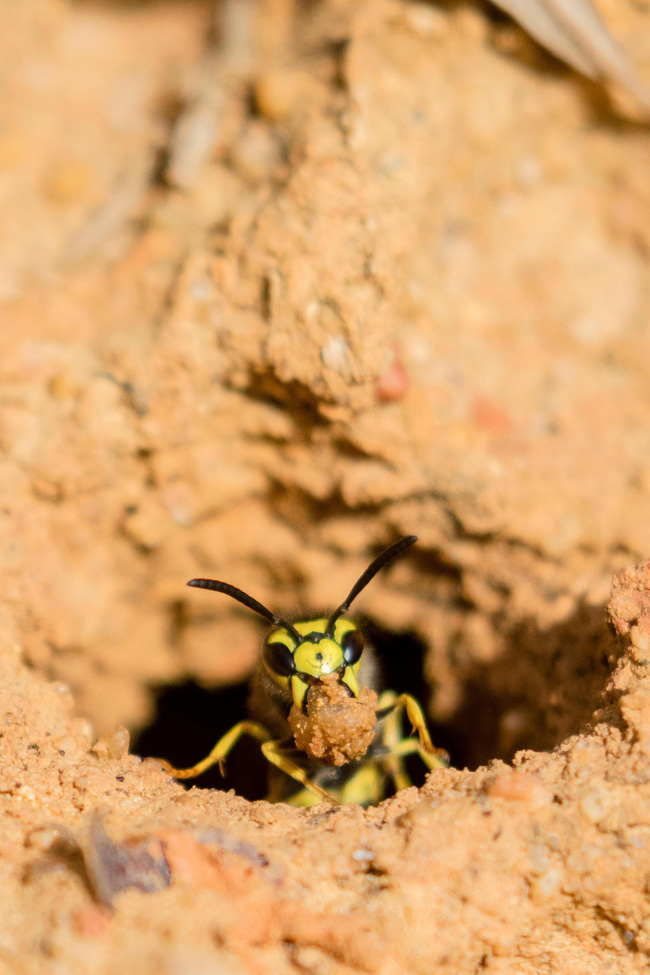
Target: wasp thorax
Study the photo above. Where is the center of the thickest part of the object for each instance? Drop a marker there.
(337, 728)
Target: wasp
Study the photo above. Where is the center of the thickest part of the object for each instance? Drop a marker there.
(326, 733)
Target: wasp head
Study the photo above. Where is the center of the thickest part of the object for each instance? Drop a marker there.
(299, 655)
(298, 658)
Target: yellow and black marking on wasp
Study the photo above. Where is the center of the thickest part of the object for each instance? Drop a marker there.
(320, 723)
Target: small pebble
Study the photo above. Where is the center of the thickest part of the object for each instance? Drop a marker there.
(596, 804)
(65, 745)
(85, 729)
(518, 787)
(115, 744)
(393, 385)
(336, 355)
(544, 886)
(43, 838)
(276, 92)
(640, 643)
(90, 922)
(426, 21)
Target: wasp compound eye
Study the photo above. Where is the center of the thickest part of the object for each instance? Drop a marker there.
(279, 659)
(352, 644)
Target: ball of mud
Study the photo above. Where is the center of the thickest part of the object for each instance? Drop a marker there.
(337, 728)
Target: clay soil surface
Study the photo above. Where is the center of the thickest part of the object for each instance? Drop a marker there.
(279, 284)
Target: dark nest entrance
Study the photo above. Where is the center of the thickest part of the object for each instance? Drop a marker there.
(190, 719)
(543, 688)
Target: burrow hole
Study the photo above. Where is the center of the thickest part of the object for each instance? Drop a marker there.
(552, 680)
(189, 719)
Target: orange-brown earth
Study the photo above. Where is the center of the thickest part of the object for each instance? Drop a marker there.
(278, 284)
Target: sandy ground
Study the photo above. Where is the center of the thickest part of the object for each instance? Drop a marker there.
(278, 285)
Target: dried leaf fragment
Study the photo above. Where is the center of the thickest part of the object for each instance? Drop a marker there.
(115, 867)
(574, 32)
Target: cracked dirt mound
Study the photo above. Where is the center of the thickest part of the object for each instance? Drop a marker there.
(275, 292)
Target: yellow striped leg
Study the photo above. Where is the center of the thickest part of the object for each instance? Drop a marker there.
(392, 701)
(270, 750)
(221, 750)
(390, 737)
(411, 746)
(272, 754)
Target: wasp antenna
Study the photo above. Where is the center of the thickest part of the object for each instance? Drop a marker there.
(246, 600)
(386, 556)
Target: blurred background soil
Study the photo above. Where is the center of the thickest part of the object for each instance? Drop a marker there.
(278, 283)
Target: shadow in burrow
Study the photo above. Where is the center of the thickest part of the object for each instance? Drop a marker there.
(543, 687)
(189, 718)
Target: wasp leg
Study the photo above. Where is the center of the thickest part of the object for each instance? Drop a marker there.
(391, 735)
(390, 702)
(272, 754)
(270, 751)
(411, 746)
(366, 786)
(221, 750)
